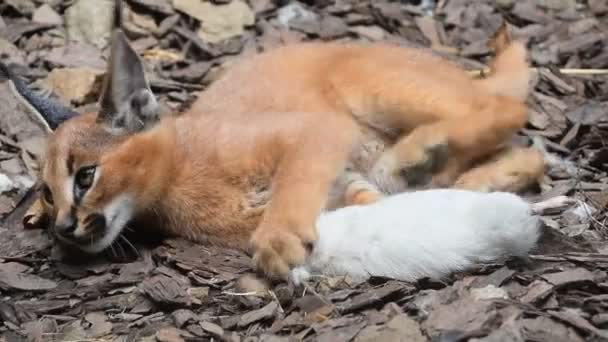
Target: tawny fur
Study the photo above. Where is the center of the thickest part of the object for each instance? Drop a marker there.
(251, 164)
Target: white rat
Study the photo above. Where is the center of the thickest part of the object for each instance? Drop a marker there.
(427, 233)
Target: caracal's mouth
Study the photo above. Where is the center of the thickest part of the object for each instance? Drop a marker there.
(116, 215)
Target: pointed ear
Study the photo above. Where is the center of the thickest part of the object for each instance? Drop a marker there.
(127, 102)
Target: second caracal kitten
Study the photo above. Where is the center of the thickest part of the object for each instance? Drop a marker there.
(251, 163)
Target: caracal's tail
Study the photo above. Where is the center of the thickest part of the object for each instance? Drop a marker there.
(429, 233)
(509, 70)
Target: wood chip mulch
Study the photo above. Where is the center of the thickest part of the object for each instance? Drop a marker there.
(178, 291)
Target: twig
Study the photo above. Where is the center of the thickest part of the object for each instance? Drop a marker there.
(584, 71)
(566, 71)
(78, 340)
(274, 297)
(252, 293)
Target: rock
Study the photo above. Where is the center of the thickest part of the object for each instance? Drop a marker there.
(14, 267)
(264, 313)
(497, 278)
(14, 32)
(46, 14)
(598, 7)
(557, 5)
(159, 6)
(10, 53)
(192, 73)
(25, 282)
(262, 5)
(11, 166)
(15, 243)
(76, 55)
(199, 293)
(373, 33)
(212, 329)
(505, 3)
(35, 145)
(252, 284)
(165, 291)
(371, 297)
(576, 276)
(99, 324)
(297, 17)
(489, 292)
(537, 291)
(590, 113)
(183, 316)
(76, 85)
(24, 7)
(309, 303)
(138, 25)
(35, 330)
(90, 21)
(135, 272)
(170, 335)
(600, 320)
(345, 332)
(428, 27)
(218, 22)
(462, 316)
(333, 27)
(6, 184)
(546, 329)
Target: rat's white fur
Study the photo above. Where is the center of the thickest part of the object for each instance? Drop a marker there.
(429, 233)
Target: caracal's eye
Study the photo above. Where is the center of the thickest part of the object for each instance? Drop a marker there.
(47, 195)
(85, 176)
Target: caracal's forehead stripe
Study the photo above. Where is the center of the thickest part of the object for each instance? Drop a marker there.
(70, 164)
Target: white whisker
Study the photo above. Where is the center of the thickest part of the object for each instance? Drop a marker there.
(130, 245)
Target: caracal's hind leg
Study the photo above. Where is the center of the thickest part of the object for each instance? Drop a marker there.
(446, 148)
(435, 110)
(515, 169)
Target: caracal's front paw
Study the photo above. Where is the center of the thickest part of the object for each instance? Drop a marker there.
(299, 275)
(276, 251)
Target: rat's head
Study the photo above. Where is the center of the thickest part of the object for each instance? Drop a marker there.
(86, 181)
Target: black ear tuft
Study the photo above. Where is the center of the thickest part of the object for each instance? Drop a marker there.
(51, 112)
(117, 14)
